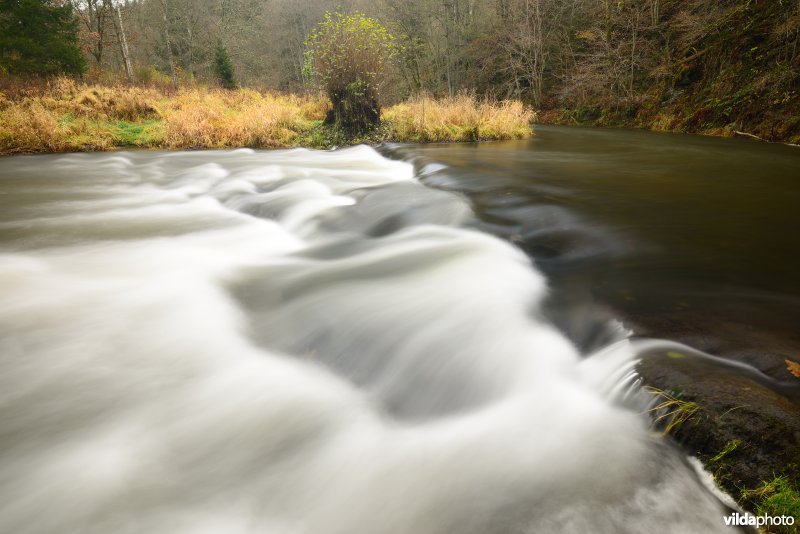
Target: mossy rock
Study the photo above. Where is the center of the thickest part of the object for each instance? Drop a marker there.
(745, 433)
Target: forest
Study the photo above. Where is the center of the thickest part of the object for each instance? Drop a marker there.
(689, 65)
(682, 65)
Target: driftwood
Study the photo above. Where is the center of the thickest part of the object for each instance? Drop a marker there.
(757, 138)
(745, 134)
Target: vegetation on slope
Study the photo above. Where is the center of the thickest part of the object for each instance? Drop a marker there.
(707, 67)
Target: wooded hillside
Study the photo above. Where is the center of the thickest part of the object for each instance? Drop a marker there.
(691, 65)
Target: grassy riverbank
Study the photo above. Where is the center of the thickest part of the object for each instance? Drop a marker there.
(65, 116)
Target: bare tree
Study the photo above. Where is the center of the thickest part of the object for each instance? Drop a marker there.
(168, 39)
(96, 17)
(122, 39)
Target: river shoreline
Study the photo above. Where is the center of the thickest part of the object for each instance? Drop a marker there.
(598, 117)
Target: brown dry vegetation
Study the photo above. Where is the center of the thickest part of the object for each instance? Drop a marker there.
(64, 116)
(462, 118)
(212, 119)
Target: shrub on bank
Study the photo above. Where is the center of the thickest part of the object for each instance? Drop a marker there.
(347, 55)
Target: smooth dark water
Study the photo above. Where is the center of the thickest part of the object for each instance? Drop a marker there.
(687, 237)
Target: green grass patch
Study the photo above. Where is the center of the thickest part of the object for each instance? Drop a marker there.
(144, 134)
(776, 497)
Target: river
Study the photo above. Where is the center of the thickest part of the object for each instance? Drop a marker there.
(334, 342)
(649, 223)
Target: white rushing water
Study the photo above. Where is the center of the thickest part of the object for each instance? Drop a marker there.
(298, 342)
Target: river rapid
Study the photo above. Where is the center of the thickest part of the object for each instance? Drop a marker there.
(305, 342)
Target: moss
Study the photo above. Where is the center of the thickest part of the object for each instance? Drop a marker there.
(324, 136)
(724, 462)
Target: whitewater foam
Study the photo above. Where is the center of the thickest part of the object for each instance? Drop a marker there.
(299, 342)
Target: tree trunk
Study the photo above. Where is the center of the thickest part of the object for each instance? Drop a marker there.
(172, 70)
(123, 44)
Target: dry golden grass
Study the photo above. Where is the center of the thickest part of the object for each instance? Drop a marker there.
(63, 115)
(461, 118)
(213, 119)
(123, 103)
(31, 127)
(67, 116)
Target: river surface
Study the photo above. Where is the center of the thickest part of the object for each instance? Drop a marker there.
(333, 342)
(681, 236)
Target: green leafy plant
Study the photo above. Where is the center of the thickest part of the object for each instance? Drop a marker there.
(347, 55)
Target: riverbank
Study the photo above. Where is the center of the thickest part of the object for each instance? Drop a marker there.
(66, 116)
(781, 128)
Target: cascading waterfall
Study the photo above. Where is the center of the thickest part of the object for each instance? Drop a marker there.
(299, 342)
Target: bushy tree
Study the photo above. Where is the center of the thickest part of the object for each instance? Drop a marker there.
(223, 68)
(39, 37)
(347, 56)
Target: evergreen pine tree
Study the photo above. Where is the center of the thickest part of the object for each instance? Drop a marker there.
(39, 37)
(223, 68)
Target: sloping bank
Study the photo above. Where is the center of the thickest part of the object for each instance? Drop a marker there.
(724, 68)
(676, 119)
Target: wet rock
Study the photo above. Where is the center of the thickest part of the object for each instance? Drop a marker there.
(745, 431)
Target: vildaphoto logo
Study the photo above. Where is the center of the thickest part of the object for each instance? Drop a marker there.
(740, 520)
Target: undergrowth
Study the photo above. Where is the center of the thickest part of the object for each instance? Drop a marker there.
(64, 115)
(461, 118)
